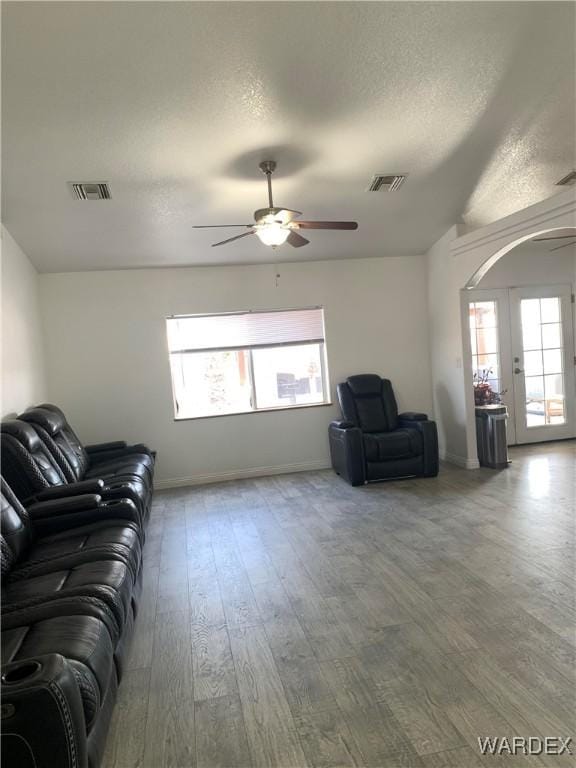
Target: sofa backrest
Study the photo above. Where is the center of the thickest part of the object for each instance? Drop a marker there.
(50, 427)
(81, 457)
(27, 464)
(16, 529)
(368, 402)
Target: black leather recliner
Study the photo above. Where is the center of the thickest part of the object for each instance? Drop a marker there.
(68, 600)
(373, 441)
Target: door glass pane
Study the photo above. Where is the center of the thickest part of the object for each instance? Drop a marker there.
(535, 401)
(554, 399)
(474, 343)
(485, 314)
(550, 309)
(542, 354)
(488, 362)
(285, 376)
(531, 328)
(487, 341)
(483, 318)
(533, 363)
(552, 336)
(552, 361)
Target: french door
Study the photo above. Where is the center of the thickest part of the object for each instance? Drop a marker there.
(543, 363)
(522, 342)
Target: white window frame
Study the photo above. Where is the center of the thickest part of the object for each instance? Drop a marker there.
(320, 342)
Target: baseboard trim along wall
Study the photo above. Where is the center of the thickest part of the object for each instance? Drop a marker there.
(459, 461)
(239, 474)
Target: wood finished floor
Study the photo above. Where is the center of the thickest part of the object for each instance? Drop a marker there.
(294, 621)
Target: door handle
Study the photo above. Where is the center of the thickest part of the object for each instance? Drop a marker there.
(518, 370)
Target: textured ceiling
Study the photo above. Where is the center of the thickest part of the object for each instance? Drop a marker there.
(174, 104)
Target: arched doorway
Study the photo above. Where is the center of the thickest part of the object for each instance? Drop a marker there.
(520, 323)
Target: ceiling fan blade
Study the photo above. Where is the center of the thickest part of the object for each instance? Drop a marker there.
(289, 210)
(217, 226)
(326, 224)
(564, 245)
(296, 240)
(237, 237)
(558, 237)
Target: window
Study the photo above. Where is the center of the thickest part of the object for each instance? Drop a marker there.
(247, 361)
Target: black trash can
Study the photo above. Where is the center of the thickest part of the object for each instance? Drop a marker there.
(491, 437)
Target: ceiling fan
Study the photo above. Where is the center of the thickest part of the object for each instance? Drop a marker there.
(275, 226)
(557, 237)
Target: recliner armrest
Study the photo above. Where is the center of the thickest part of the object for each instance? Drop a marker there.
(70, 489)
(429, 442)
(342, 425)
(114, 445)
(42, 714)
(347, 451)
(54, 507)
(412, 416)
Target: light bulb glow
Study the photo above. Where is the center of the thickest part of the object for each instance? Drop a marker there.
(272, 234)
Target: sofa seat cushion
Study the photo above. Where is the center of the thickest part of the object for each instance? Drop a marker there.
(117, 537)
(386, 446)
(129, 456)
(83, 640)
(128, 467)
(109, 581)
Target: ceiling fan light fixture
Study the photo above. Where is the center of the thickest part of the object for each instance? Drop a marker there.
(272, 234)
(276, 226)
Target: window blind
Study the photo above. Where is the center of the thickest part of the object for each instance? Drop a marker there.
(244, 330)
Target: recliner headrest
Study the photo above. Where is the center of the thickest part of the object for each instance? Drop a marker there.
(53, 409)
(51, 421)
(23, 432)
(365, 384)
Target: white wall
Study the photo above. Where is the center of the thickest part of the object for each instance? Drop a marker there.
(448, 390)
(22, 379)
(108, 363)
(526, 266)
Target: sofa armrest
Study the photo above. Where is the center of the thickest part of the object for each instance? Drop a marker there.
(347, 451)
(116, 450)
(42, 714)
(112, 509)
(70, 489)
(412, 416)
(54, 507)
(429, 441)
(122, 489)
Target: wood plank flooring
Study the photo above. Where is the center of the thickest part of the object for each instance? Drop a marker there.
(294, 621)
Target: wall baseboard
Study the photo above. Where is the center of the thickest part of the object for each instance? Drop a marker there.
(240, 474)
(459, 461)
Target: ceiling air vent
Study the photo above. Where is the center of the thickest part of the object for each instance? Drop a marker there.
(568, 180)
(90, 190)
(386, 182)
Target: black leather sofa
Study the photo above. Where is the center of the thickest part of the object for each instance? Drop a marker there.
(71, 580)
(373, 441)
(37, 469)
